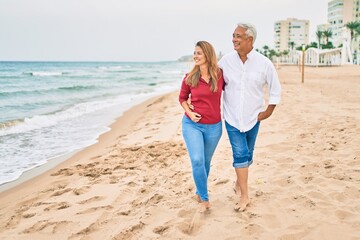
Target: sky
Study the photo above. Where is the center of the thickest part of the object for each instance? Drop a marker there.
(138, 30)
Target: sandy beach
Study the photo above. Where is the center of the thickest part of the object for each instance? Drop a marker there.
(136, 182)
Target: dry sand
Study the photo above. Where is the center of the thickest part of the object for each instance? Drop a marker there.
(136, 182)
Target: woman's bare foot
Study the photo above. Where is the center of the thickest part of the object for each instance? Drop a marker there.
(241, 206)
(197, 198)
(204, 206)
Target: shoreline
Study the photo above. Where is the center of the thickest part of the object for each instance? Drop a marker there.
(102, 141)
(36, 171)
(52, 163)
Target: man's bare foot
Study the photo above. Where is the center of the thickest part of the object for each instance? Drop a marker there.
(204, 206)
(241, 206)
(237, 190)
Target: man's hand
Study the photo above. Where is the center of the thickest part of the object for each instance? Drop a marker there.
(263, 115)
(267, 113)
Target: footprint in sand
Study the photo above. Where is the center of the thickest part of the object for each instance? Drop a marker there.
(132, 184)
(92, 199)
(254, 229)
(160, 230)
(131, 232)
(55, 186)
(340, 214)
(193, 223)
(134, 149)
(220, 182)
(28, 215)
(124, 213)
(94, 209)
(155, 199)
(41, 225)
(114, 180)
(45, 224)
(58, 206)
(82, 190)
(64, 172)
(61, 192)
(13, 221)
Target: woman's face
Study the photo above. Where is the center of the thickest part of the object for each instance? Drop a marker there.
(199, 57)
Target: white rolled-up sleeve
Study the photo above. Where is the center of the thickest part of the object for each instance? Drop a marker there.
(274, 86)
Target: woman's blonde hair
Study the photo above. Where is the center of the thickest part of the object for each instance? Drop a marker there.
(194, 75)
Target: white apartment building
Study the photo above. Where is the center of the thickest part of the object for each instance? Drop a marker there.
(291, 33)
(356, 11)
(356, 43)
(340, 12)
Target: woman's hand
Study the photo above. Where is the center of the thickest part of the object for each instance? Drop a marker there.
(189, 104)
(195, 117)
(189, 109)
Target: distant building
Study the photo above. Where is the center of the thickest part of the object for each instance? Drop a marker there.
(187, 58)
(356, 10)
(356, 44)
(340, 12)
(291, 33)
(190, 58)
(323, 27)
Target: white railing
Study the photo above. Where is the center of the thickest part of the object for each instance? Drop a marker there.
(314, 57)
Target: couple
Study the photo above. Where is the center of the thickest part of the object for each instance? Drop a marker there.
(242, 74)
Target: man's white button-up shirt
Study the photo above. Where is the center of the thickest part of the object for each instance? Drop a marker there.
(244, 88)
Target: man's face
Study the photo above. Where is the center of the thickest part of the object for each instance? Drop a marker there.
(242, 43)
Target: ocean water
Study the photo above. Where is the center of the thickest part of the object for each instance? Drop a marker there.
(49, 109)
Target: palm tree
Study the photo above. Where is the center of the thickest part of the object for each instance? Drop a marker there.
(291, 45)
(319, 35)
(357, 30)
(285, 52)
(352, 26)
(272, 53)
(328, 34)
(266, 49)
(312, 45)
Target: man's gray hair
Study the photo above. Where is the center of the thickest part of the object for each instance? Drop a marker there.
(250, 30)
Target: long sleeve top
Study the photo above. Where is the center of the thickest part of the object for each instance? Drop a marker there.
(205, 102)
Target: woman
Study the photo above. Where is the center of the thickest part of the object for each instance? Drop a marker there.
(201, 125)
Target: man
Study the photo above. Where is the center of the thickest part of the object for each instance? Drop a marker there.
(246, 72)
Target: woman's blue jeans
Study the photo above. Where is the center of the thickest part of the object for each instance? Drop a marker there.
(201, 141)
